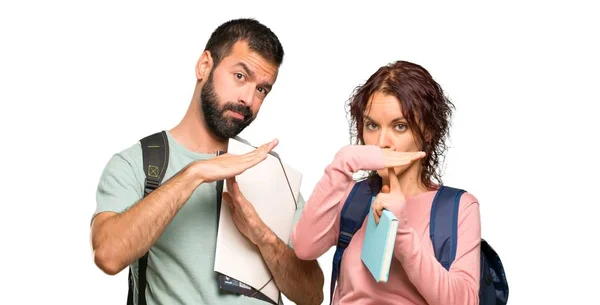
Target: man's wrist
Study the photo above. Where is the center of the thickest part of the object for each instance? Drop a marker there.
(195, 173)
(269, 239)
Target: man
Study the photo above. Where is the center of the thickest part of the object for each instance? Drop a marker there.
(177, 222)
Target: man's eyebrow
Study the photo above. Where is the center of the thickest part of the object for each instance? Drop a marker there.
(250, 73)
(246, 69)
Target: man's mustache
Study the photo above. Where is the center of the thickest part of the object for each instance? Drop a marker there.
(241, 109)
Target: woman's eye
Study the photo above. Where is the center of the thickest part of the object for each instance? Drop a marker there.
(371, 126)
(401, 127)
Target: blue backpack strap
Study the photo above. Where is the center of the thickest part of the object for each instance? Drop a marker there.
(353, 214)
(443, 224)
(493, 288)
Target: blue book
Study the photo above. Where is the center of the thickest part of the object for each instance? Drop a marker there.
(378, 246)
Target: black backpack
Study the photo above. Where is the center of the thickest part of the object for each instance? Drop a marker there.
(155, 152)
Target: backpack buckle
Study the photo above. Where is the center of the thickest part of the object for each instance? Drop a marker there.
(150, 185)
(344, 239)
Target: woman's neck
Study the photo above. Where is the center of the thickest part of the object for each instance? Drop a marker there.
(410, 181)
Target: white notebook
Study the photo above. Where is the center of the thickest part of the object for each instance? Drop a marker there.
(273, 188)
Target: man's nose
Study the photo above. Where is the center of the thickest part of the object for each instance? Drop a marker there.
(247, 96)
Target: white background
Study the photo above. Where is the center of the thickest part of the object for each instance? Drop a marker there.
(80, 81)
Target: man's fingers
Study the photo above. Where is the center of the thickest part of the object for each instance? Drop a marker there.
(228, 200)
(231, 187)
(228, 182)
(237, 164)
(235, 187)
(257, 151)
(252, 158)
(259, 154)
(273, 144)
(267, 147)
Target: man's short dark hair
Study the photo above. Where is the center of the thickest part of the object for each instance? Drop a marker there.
(259, 37)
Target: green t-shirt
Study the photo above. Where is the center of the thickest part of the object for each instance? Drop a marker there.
(180, 263)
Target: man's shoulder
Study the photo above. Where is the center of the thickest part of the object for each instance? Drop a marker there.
(125, 164)
(131, 156)
(132, 153)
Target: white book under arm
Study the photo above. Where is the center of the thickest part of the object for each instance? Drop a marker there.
(273, 188)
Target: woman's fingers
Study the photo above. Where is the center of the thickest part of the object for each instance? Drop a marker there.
(397, 158)
(378, 206)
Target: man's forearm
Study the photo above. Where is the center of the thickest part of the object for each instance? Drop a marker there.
(124, 237)
(300, 281)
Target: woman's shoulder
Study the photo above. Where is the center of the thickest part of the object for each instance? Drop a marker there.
(468, 203)
(467, 199)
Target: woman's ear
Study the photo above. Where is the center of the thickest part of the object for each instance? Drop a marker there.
(428, 137)
(424, 142)
(204, 66)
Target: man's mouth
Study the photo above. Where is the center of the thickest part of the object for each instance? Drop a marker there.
(236, 115)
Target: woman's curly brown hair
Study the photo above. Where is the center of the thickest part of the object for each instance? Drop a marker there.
(424, 105)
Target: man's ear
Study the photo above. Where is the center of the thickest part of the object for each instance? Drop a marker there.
(204, 66)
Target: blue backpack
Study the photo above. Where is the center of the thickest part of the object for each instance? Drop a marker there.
(493, 288)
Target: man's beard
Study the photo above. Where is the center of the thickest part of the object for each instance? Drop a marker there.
(219, 125)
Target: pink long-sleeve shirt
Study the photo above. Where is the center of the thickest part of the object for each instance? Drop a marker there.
(416, 277)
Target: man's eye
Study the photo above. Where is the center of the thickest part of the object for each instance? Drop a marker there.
(239, 76)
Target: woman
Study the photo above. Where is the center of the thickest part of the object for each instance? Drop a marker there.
(399, 109)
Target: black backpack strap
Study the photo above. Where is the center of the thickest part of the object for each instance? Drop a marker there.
(155, 155)
(155, 152)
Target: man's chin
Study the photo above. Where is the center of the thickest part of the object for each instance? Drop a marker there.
(236, 124)
(229, 132)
